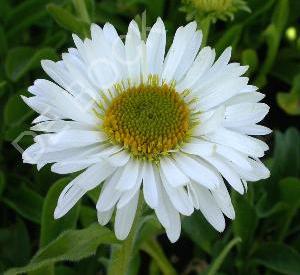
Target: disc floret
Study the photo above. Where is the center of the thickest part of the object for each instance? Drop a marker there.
(149, 120)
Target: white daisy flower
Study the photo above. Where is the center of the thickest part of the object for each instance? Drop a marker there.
(175, 127)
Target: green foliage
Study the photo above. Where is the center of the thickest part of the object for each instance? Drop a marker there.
(290, 102)
(264, 237)
(73, 245)
(50, 228)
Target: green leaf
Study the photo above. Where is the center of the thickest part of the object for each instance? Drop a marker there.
(51, 228)
(24, 201)
(290, 190)
(3, 42)
(15, 244)
(68, 21)
(72, 245)
(149, 228)
(278, 257)
(153, 248)
(290, 102)
(286, 155)
(215, 266)
(2, 182)
(230, 38)
(16, 111)
(31, 12)
(87, 216)
(20, 60)
(245, 222)
(199, 231)
(249, 57)
(290, 194)
(272, 35)
(82, 11)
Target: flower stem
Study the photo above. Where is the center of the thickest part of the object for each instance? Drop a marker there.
(122, 255)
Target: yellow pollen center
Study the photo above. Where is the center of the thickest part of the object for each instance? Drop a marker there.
(148, 120)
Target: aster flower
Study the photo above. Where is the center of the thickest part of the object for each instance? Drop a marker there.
(175, 129)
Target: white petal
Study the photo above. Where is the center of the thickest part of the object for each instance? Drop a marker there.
(178, 197)
(86, 181)
(223, 93)
(234, 156)
(251, 97)
(197, 171)
(109, 194)
(199, 147)
(223, 200)
(156, 44)
(167, 215)
(70, 139)
(128, 178)
(58, 125)
(201, 64)
(245, 144)
(259, 171)
(211, 124)
(209, 208)
(105, 216)
(149, 185)
(181, 52)
(172, 173)
(133, 52)
(128, 195)
(119, 159)
(245, 114)
(254, 130)
(227, 172)
(124, 218)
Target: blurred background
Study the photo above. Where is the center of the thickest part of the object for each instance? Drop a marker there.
(265, 236)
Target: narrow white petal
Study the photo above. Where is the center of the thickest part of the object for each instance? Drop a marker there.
(124, 218)
(105, 216)
(70, 139)
(234, 156)
(119, 159)
(129, 176)
(211, 124)
(86, 181)
(227, 172)
(200, 66)
(109, 194)
(199, 147)
(254, 130)
(58, 125)
(133, 52)
(149, 185)
(197, 171)
(128, 195)
(209, 208)
(223, 200)
(245, 114)
(178, 196)
(251, 97)
(245, 144)
(156, 44)
(172, 173)
(180, 52)
(167, 215)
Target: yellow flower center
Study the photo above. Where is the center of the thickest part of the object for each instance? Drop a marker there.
(149, 120)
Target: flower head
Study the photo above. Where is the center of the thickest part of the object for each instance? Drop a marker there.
(174, 129)
(215, 9)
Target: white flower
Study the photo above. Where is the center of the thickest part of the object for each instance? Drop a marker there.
(132, 119)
